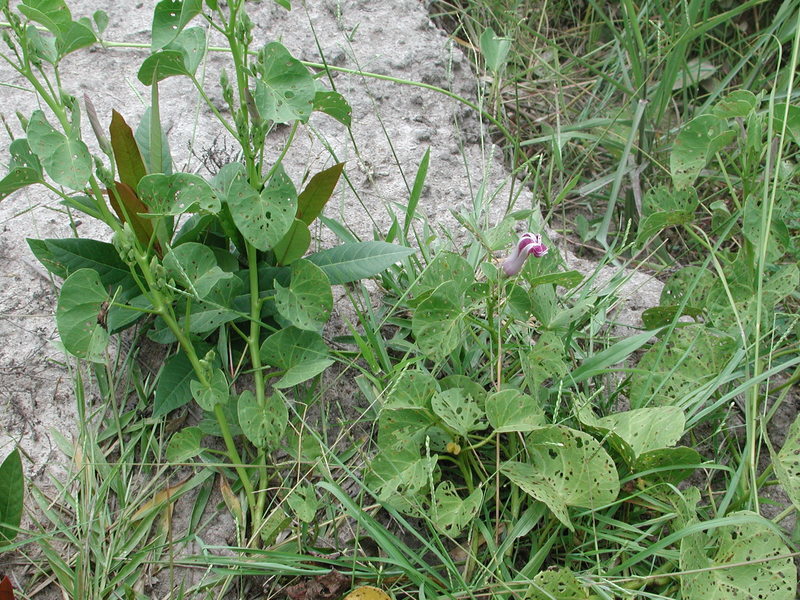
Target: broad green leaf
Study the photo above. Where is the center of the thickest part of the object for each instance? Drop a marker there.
(100, 19)
(412, 389)
(79, 304)
(143, 140)
(194, 267)
(303, 502)
(511, 410)
(285, 89)
(42, 46)
(566, 468)
(664, 207)
(494, 49)
(438, 322)
(779, 239)
(679, 283)
(410, 428)
(399, 477)
(263, 219)
(128, 158)
(294, 244)
(445, 267)
(66, 160)
(719, 566)
(559, 583)
(301, 354)
(75, 37)
(263, 425)
(544, 361)
(458, 411)
(792, 117)
(121, 315)
(660, 316)
(450, 513)
(646, 429)
(162, 64)
(173, 388)
(65, 256)
(23, 157)
(184, 444)
(18, 178)
(169, 19)
(178, 194)
(567, 279)
(308, 301)
(317, 192)
(657, 222)
(334, 105)
(191, 43)
(12, 487)
(53, 14)
(215, 392)
(670, 465)
(696, 143)
(354, 261)
(675, 367)
(737, 104)
(787, 463)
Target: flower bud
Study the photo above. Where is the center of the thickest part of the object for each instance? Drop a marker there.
(529, 243)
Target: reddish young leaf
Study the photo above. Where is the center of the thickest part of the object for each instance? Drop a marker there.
(6, 589)
(319, 190)
(130, 165)
(133, 207)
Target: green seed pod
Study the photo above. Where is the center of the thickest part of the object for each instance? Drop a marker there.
(103, 173)
(124, 242)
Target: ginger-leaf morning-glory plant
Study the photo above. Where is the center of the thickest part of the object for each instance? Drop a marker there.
(216, 268)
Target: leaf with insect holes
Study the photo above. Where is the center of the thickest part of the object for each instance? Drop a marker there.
(178, 193)
(301, 354)
(285, 89)
(399, 476)
(511, 410)
(459, 412)
(677, 366)
(303, 502)
(445, 267)
(438, 322)
(263, 219)
(697, 142)
(566, 468)
(65, 159)
(169, 19)
(79, 304)
(263, 425)
(334, 105)
(729, 562)
(214, 393)
(182, 56)
(24, 169)
(307, 302)
(558, 583)
(184, 444)
(645, 429)
(449, 512)
(738, 104)
(194, 267)
(786, 463)
(11, 496)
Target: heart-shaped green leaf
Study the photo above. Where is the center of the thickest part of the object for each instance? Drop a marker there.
(301, 354)
(307, 302)
(511, 410)
(458, 411)
(729, 562)
(438, 322)
(184, 445)
(450, 513)
(285, 89)
(215, 392)
(263, 219)
(65, 159)
(263, 425)
(178, 194)
(566, 468)
(194, 267)
(77, 315)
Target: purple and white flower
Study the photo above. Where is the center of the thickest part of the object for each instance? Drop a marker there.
(529, 243)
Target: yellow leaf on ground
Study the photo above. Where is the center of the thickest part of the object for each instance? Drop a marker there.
(367, 592)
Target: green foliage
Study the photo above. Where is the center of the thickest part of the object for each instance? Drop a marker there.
(11, 496)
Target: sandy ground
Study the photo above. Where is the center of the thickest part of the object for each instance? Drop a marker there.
(393, 125)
